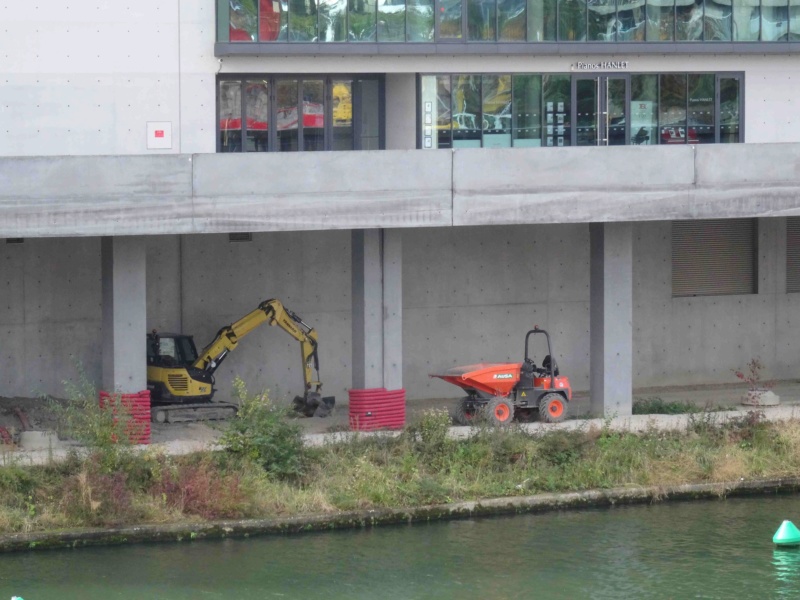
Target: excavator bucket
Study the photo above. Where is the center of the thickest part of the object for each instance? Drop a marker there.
(314, 405)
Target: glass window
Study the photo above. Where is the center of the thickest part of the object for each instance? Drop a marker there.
(496, 111)
(287, 115)
(466, 98)
(362, 19)
(435, 111)
(794, 20)
(587, 102)
(660, 20)
(369, 116)
(571, 20)
(644, 110)
(689, 20)
(527, 107)
(701, 124)
(672, 110)
(616, 98)
(272, 16)
(342, 95)
(256, 110)
(230, 116)
(313, 115)
(603, 21)
(775, 21)
(302, 20)
(729, 110)
(243, 20)
(449, 14)
(332, 20)
(631, 20)
(718, 22)
(556, 94)
(746, 20)
(391, 20)
(481, 20)
(542, 18)
(419, 23)
(511, 23)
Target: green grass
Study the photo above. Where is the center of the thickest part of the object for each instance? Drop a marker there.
(654, 405)
(419, 467)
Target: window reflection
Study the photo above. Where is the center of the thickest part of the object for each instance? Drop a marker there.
(243, 20)
(256, 110)
(729, 110)
(313, 115)
(571, 20)
(391, 20)
(672, 111)
(342, 95)
(644, 110)
(689, 20)
(419, 21)
(272, 20)
(450, 19)
(542, 20)
(466, 103)
(332, 20)
(481, 20)
(701, 107)
(527, 108)
(287, 116)
(556, 94)
(496, 111)
(362, 16)
(631, 21)
(603, 20)
(230, 116)
(302, 21)
(511, 20)
(661, 20)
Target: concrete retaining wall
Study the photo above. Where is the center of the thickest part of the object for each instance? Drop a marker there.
(469, 294)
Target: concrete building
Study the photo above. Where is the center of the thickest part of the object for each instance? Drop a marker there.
(156, 173)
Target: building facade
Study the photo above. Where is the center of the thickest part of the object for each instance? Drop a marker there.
(155, 173)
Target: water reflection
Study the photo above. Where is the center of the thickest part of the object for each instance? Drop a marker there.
(787, 571)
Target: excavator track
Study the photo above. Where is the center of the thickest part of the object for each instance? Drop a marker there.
(187, 413)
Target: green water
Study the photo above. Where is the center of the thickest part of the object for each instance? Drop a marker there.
(713, 549)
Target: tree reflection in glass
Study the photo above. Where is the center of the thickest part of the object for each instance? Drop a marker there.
(391, 20)
(689, 20)
(660, 20)
(362, 20)
(419, 23)
(332, 20)
(572, 20)
(481, 20)
(511, 20)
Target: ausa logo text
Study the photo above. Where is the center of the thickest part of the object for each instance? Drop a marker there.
(504, 376)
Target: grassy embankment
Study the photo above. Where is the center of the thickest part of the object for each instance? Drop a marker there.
(266, 471)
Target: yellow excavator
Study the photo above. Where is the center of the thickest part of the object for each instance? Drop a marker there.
(181, 381)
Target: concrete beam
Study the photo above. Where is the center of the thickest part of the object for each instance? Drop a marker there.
(123, 265)
(610, 319)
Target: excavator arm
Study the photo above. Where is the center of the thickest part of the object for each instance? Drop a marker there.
(272, 312)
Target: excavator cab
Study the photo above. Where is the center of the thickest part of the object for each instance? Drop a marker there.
(170, 350)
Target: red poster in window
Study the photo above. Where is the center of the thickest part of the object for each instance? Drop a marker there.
(159, 133)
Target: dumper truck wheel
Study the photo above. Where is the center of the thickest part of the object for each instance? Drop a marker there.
(552, 408)
(500, 411)
(464, 413)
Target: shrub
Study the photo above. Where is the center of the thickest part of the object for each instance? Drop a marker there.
(430, 432)
(97, 498)
(263, 432)
(103, 429)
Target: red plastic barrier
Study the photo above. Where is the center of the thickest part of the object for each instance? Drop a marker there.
(138, 407)
(377, 408)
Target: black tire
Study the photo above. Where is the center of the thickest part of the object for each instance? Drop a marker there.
(552, 408)
(499, 411)
(463, 414)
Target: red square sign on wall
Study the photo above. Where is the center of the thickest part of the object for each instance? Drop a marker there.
(159, 135)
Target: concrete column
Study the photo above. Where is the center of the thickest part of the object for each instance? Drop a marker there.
(123, 265)
(610, 315)
(401, 111)
(377, 309)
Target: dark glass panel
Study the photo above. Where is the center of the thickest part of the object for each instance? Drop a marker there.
(287, 115)
(586, 112)
(256, 112)
(466, 102)
(511, 22)
(660, 20)
(496, 111)
(272, 21)
(243, 20)
(313, 115)
(450, 19)
(302, 20)
(481, 20)
(616, 118)
(362, 20)
(701, 121)
(602, 20)
(729, 111)
(644, 110)
(527, 108)
(332, 20)
(542, 19)
(689, 20)
(391, 20)
(672, 110)
(368, 89)
(571, 20)
(230, 116)
(419, 24)
(556, 95)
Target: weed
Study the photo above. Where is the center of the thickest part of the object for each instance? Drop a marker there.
(263, 433)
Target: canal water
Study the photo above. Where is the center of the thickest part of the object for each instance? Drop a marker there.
(707, 549)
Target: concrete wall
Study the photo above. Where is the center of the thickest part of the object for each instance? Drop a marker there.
(219, 193)
(469, 295)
